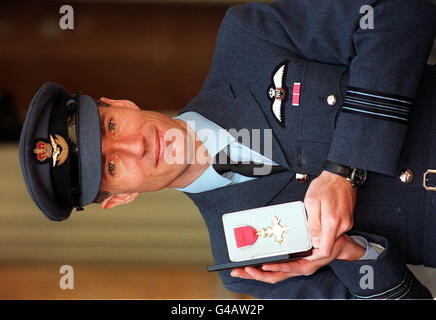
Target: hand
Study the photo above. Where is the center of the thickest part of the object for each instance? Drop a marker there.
(344, 248)
(330, 201)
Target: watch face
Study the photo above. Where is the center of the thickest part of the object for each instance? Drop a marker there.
(358, 177)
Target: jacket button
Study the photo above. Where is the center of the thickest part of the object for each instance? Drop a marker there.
(301, 177)
(331, 100)
(406, 176)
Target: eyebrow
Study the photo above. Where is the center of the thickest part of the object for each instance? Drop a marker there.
(103, 118)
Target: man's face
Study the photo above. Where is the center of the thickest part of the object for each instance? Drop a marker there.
(133, 149)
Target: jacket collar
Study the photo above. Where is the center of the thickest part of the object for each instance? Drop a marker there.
(220, 106)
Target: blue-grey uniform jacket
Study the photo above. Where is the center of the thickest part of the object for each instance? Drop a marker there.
(380, 119)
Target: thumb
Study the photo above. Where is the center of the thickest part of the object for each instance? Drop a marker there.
(313, 209)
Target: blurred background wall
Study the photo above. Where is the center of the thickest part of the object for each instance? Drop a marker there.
(155, 53)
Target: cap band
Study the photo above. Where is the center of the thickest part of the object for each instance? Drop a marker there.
(75, 183)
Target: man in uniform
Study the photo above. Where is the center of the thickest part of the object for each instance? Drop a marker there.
(334, 105)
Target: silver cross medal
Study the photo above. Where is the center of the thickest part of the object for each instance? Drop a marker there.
(277, 230)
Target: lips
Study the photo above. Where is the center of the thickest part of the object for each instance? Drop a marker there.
(159, 147)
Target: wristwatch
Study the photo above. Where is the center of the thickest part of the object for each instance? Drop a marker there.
(357, 177)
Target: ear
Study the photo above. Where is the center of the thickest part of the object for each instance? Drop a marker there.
(120, 103)
(117, 199)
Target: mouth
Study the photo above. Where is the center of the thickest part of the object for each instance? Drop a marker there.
(159, 147)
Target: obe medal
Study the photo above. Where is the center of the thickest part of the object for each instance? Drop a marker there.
(247, 235)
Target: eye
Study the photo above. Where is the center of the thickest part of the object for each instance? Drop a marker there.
(111, 167)
(111, 126)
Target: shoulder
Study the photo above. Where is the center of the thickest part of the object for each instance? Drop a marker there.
(255, 18)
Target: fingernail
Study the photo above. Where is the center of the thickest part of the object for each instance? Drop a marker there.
(233, 273)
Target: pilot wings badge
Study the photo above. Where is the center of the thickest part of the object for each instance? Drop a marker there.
(60, 150)
(278, 92)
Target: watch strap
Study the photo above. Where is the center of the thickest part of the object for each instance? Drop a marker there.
(339, 169)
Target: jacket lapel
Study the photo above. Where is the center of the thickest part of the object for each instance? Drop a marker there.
(243, 113)
(220, 106)
(242, 196)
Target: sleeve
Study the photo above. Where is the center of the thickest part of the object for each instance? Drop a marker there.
(370, 252)
(385, 63)
(386, 277)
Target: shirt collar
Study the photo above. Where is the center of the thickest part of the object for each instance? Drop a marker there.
(214, 139)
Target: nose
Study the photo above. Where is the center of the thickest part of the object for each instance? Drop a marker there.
(133, 146)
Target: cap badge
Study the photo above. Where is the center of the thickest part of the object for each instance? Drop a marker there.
(57, 150)
(43, 150)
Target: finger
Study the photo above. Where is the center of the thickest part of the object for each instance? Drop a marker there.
(300, 267)
(328, 233)
(313, 208)
(240, 273)
(316, 255)
(269, 277)
(345, 225)
(289, 267)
